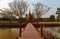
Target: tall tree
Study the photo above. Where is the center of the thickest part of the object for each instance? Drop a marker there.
(40, 9)
(7, 12)
(58, 13)
(3, 13)
(52, 17)
(19, 7)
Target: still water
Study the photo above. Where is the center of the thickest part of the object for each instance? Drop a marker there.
(9, 33)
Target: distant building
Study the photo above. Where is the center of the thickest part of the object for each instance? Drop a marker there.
(28, 16)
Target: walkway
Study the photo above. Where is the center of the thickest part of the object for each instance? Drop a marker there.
(30, 33)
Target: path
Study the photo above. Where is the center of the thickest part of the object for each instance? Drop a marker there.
(30, 33)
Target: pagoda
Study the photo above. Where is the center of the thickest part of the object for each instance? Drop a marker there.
(28, 15)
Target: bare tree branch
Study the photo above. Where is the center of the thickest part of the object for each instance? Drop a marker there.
(40, 9)
(19, 7)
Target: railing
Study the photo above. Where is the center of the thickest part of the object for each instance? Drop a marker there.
(44, 32)
(49, 33)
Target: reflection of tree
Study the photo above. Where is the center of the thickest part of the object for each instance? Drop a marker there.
(40, 9)
(18, 7)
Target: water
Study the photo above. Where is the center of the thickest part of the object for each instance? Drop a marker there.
(9, 33)
(12, 33)
(53, 30)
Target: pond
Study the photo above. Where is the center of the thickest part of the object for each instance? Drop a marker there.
(9, 33)
(55, 31)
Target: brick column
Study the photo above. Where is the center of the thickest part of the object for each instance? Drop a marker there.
(19, 30)
(41, 30)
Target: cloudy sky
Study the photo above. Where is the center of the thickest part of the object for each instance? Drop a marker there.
(54, 4)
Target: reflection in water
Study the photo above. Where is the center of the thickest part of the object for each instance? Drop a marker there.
(9, 33)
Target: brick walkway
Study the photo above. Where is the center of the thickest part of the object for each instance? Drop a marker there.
(30, 33)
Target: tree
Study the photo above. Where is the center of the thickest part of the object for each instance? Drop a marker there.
(58, 13)
(40, 9)
(3, 13)
(33, 15)
(9, 12)
(6, 12)
(18, 7)
(52, 17)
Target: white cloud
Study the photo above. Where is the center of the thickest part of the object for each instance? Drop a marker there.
(4, 3)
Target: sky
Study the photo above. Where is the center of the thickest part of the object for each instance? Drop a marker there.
(54, 4)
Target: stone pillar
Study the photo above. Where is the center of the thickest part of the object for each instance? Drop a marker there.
(41, 30)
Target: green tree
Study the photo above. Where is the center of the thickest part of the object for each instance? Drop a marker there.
(52, 17)
(58, 13)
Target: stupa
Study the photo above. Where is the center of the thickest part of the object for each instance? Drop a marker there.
(28, 16)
